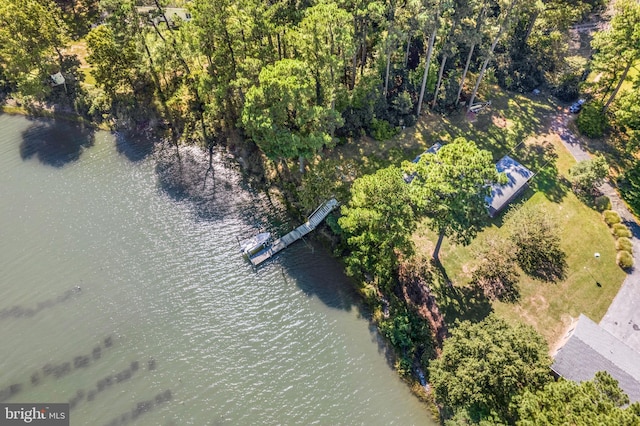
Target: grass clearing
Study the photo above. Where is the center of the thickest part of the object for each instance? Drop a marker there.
(79, 48)
(591, 283)
(517, 125)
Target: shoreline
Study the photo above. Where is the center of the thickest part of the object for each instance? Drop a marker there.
(6, 107)
(414, 386)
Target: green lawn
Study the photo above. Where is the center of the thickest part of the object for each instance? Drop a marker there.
(548, 307)
(517, 125)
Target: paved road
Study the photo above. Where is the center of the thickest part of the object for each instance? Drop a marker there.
(623, 316)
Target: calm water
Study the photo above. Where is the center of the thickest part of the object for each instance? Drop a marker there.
(122, 290)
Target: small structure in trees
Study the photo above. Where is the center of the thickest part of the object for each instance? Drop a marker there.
(589, 349)
(518, 177)
(432, 150)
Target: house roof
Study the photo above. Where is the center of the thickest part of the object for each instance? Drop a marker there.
(517, 177)
(432, 150)
(590, 349)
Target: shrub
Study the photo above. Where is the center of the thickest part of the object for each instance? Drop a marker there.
(602, 203)
(591, 121)
(624, 260)
(535, 235)
(382, 130)
(624, 244)
(620, 230)
(587, 175)
(496, 274)
(611, 217)
(629, 184)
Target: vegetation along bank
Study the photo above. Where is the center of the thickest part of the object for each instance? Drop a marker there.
(334, 98)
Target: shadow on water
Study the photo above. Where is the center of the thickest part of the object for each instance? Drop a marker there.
(55, 142)
(135, 146)
(213, 192)
(317, 274)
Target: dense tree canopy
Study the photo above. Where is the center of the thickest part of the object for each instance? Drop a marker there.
(32, 34)
(281, 114)
(485, 365)
(451, 186)
(618, 47)
(595, 402)
(378, 222)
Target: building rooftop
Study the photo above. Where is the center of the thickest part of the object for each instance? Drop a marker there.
(590, 349)
(517, 178)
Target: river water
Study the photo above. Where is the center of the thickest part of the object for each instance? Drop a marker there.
(123, 292)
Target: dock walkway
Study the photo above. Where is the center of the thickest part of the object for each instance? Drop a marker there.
(283, 242)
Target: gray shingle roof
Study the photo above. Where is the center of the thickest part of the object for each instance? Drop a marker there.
(517, 177)
(590, 349)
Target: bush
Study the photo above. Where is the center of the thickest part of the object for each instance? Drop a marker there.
(624, 260)
(496, 274)
(602, 203)
(591, 121)
(629, 184)
(587, 175)
(624, 244)
(611, 217)
(381, 130)
(620, 230)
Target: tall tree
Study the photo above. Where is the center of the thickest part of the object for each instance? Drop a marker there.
(114, 61)
(451, 186)
(378, 220)
(432, 29)
(618, 47)
(473, 38)
(485, 365)
(324, 39)
(32, 36)
(594, 402)
(506, 19)
(281, 114)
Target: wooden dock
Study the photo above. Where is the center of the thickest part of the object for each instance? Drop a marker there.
(283, 242)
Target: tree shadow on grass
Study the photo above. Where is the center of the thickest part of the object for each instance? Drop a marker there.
(55, 142)
(549, 266)
(460, 303)
(542, 160)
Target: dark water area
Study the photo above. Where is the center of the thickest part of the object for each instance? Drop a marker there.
(123, 293)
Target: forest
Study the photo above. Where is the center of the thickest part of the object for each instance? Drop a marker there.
(289, 83)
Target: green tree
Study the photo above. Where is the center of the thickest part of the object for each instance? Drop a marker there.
(32, 36)
(595, 402)
(281, 114)
(591, 121)
(629, 184)
(586, 176)
(508, 14)
(497, 275)
(324, 39)
(114, 61)
(627, 114)
(535, 234)
(378, 221)
(485, 365)
(618, 47)
(451, 186)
